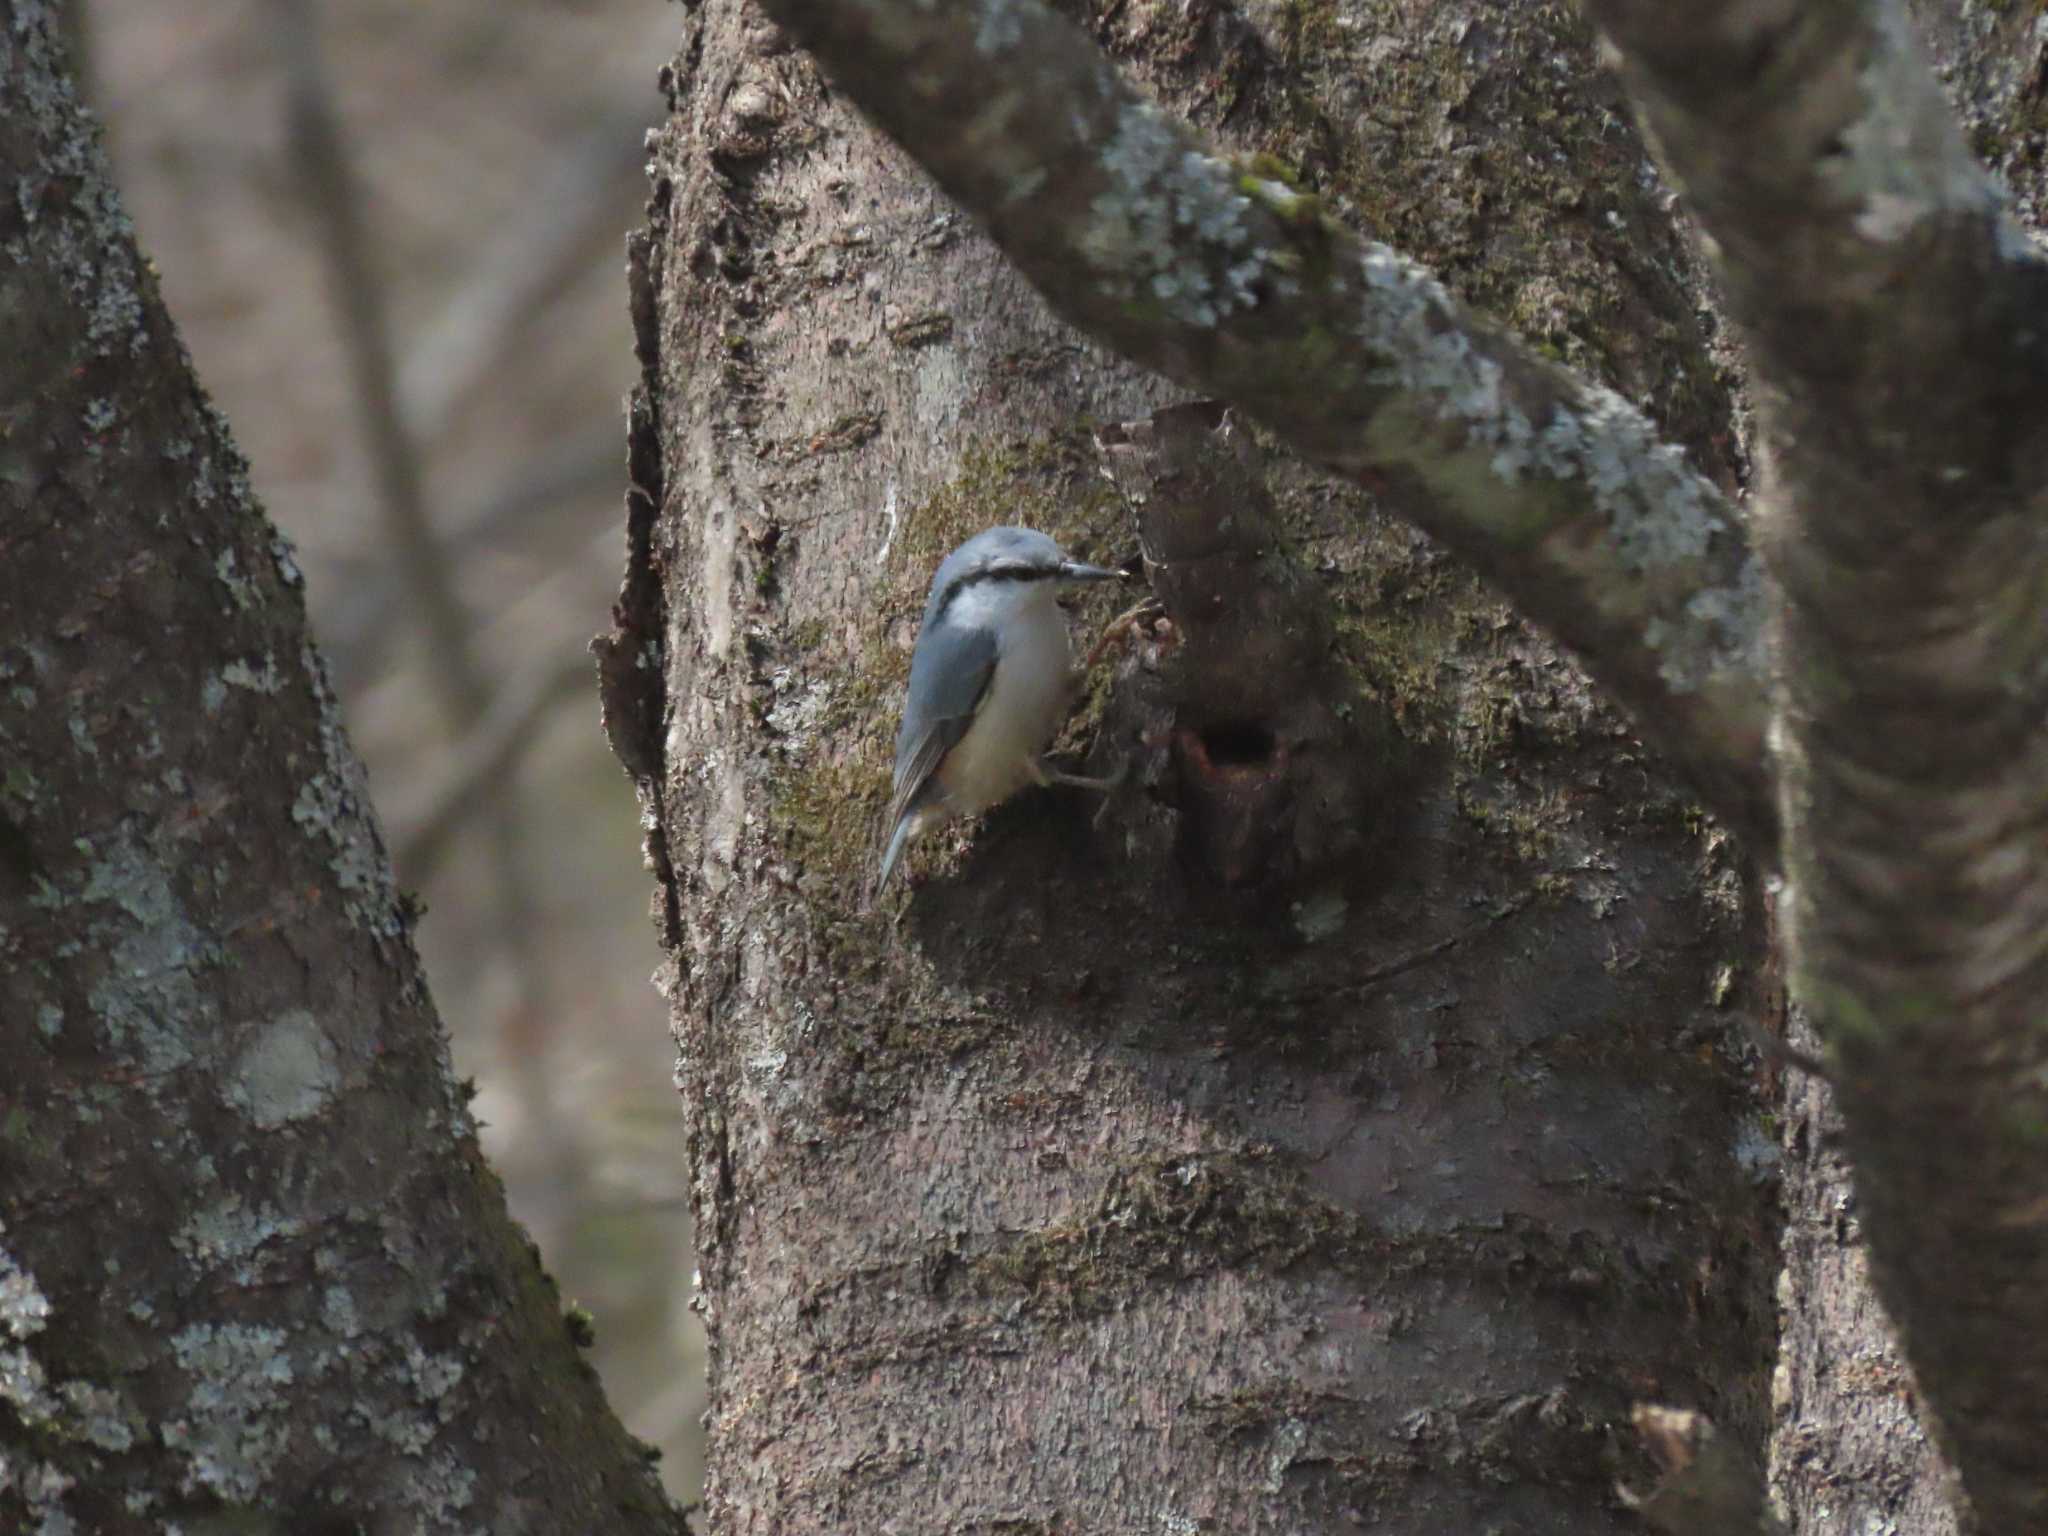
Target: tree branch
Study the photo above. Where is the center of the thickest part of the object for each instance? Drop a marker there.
(538, 492)
(1895, 318)
(320, 158)
(1232, 283)
(1894, 314)
(522, 272)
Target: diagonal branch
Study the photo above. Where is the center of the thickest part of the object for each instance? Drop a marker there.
(1555, 490)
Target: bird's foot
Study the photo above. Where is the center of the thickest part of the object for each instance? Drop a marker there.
(1102, 786)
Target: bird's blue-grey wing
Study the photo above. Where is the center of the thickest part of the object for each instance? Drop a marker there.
(950, 673)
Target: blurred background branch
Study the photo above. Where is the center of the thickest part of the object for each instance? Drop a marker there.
(567, 471)
(483, 762)
(391, 236)
(320, 165)
(321, 168)
(571, 221)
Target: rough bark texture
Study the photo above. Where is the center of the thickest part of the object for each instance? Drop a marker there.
(1992, 61)
(1850, 1455)
(1122, 1177)
(253, 1273)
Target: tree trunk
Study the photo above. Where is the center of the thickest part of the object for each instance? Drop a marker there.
(253, 1271)
(1354, 1123)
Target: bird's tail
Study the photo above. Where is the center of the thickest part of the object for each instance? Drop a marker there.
(905, 825)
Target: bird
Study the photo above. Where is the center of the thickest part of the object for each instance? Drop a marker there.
(990, 678)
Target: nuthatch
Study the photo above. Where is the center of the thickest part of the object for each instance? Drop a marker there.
(989, 681)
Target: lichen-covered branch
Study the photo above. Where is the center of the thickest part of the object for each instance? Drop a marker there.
(1230, 281)
(253, 1271)
(1895, 316)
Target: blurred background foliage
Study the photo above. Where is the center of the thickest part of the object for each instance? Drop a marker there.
(392, 236)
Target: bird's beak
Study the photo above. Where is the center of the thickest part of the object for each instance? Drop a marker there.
(1074, 570)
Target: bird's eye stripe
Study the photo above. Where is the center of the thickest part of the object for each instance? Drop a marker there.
(1009, 572)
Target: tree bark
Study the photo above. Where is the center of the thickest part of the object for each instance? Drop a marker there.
(253, 1271)
(1350, 1128)
(1850, 1454)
